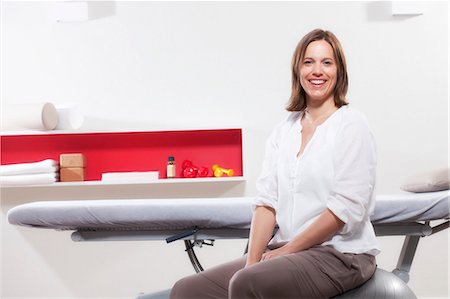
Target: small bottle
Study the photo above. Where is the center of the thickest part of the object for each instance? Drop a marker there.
(171, 167)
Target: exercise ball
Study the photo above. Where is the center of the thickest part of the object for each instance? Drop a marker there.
(382, 285)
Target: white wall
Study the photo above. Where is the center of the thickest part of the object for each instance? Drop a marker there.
(143, 65)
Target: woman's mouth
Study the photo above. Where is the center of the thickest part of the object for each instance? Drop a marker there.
(317, 82)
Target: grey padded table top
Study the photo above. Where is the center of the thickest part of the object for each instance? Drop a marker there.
(180, 213)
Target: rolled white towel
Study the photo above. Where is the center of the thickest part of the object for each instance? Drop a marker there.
(31, 116)
(69, 117)
(45, 166)
(29, 179)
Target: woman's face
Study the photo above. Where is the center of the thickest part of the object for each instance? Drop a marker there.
(318, 72)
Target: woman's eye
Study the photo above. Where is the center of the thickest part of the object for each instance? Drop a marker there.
(308, 62)
(328, 62)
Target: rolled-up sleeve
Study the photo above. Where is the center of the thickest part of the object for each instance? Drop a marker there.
(351, 197)
(267, 183)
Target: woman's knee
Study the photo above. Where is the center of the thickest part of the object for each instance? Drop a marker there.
(185, 288)
(241, 284)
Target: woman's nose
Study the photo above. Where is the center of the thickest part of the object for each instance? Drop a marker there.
(317, 69)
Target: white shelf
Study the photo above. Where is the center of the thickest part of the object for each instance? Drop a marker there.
(97, 131)
(160, 181)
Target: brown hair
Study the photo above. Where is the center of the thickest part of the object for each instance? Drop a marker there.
(297, 102)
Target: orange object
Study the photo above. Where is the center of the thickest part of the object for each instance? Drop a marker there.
(71, 174)
(72, 160)
(220, 171)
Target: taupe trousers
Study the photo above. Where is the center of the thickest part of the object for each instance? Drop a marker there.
(319, 272)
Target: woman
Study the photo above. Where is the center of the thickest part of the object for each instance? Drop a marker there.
(317, 185)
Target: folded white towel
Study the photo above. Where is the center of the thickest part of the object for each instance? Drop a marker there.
(29, 179)
(45, 166)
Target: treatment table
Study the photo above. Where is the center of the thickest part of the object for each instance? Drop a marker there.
(199, 221)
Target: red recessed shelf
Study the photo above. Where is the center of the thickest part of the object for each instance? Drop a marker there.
(130, 151)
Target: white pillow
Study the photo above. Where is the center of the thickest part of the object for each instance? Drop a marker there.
(436, 180)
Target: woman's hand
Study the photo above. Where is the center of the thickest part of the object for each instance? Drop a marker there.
(283, 250)
(261, 231)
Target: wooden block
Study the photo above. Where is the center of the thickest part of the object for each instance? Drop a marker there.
(71, 174)
(72, 160)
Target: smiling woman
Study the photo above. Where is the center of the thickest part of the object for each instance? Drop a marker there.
(316, 185)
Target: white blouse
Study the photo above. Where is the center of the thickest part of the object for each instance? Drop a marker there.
(336, 171)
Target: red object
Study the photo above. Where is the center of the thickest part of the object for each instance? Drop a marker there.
(190, 172)
(186, 164)
(128, 151)
(202, 172)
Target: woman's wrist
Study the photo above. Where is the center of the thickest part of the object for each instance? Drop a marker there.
(291, 247)
(252, 260)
